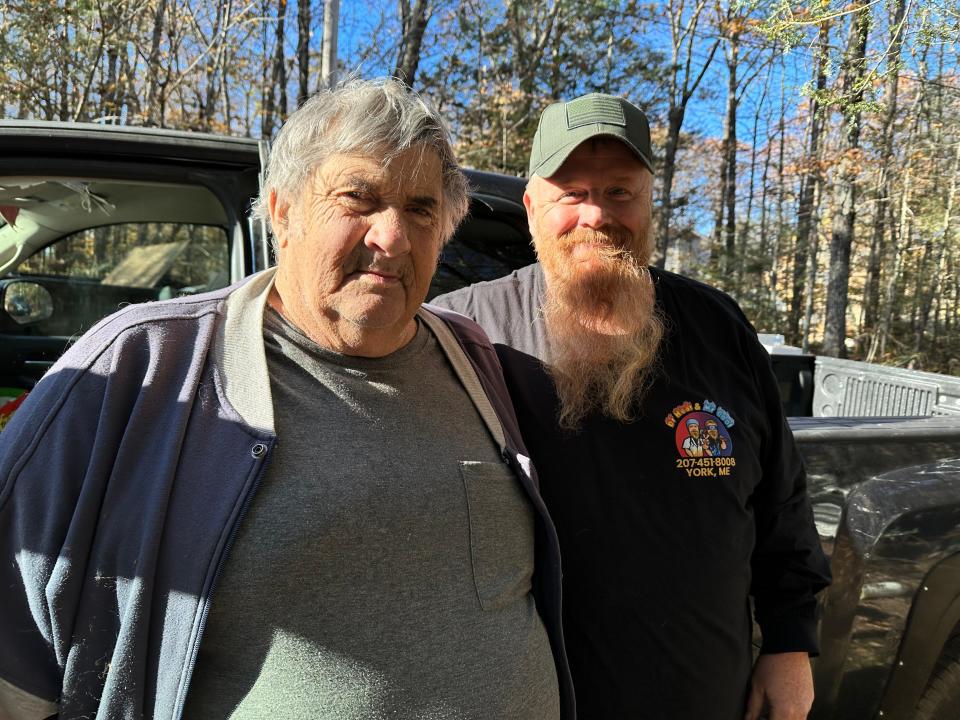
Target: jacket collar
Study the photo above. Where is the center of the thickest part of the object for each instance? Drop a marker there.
(240, 355)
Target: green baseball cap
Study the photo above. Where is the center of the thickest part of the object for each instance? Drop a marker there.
(564, 125)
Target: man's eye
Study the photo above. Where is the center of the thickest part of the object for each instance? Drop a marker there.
(571, 196)
(421, 214)
(357, 199)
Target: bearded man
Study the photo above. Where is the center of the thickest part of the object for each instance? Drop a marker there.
(604, 360)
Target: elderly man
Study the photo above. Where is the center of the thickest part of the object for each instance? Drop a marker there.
(662, 544)
(250, 503)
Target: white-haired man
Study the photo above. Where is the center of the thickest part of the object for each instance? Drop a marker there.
(614, 367)
(250, 503)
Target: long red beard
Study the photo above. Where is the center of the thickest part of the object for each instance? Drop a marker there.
(601, 319)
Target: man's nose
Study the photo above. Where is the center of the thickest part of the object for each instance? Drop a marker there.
(388, 233)
(593, 214)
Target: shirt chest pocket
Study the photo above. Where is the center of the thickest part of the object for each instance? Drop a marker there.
(501, 533)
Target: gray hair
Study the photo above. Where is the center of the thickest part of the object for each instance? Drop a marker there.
(381, 118)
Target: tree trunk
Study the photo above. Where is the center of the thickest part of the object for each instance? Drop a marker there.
(223, 74)
(683, 83)
(883, 189)
(900, 223)
(781, 190)
(528, 48)
(108, 109)
(303, 50)
(674, 121)
(953, 319)
(751, 188)
(267, 103)
(720, 207)
(275, 105)
(225, 104)
(810, 282)
(328, 52)
(810, 181)
(64, 79)
(280, 63)
(610, 56)
(413, 20)
(845, 189)
(530, 30)
(129, 96)
(730, 145)
(878, 346)
(723, 247)
(152, 116)
(214, 64)
(930, 279)
(765, 193)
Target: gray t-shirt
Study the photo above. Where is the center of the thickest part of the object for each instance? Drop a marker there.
(383, 568)
(508, 309)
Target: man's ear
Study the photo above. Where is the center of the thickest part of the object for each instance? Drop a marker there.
(528, 204)
(279, 217)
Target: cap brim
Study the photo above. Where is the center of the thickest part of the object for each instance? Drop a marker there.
(551, 164)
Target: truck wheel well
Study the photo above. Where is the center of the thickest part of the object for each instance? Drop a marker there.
(941, 698)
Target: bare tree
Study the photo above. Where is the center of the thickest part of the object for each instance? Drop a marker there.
(685, 77)
(153, 114)
(883, 187)
(810, 182)
(733, 25)
(414, 18)
(215, 65)
(303, 50)
(329, 50)
(275, 105)
(931, 274)
(845, 188)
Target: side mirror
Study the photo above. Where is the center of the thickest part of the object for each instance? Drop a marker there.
(27, 302)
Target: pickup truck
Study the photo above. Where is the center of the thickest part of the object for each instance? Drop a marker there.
(92, 217)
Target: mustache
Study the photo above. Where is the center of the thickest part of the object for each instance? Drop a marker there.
(399, 267)
(608, 239)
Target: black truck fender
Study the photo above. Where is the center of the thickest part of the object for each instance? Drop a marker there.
(934, 618)
(898, 533)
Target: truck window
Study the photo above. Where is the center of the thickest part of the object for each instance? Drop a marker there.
(139, 255)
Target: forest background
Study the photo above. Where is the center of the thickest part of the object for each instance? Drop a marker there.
(806, 151)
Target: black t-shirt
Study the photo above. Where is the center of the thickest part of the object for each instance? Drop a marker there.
(667, 523)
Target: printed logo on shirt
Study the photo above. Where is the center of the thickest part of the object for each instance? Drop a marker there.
(702, 436)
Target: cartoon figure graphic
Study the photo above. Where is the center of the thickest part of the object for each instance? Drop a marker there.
(714, 443)
(693, 445)
(702, 434)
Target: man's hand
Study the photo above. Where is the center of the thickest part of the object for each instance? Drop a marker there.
(781, 687)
